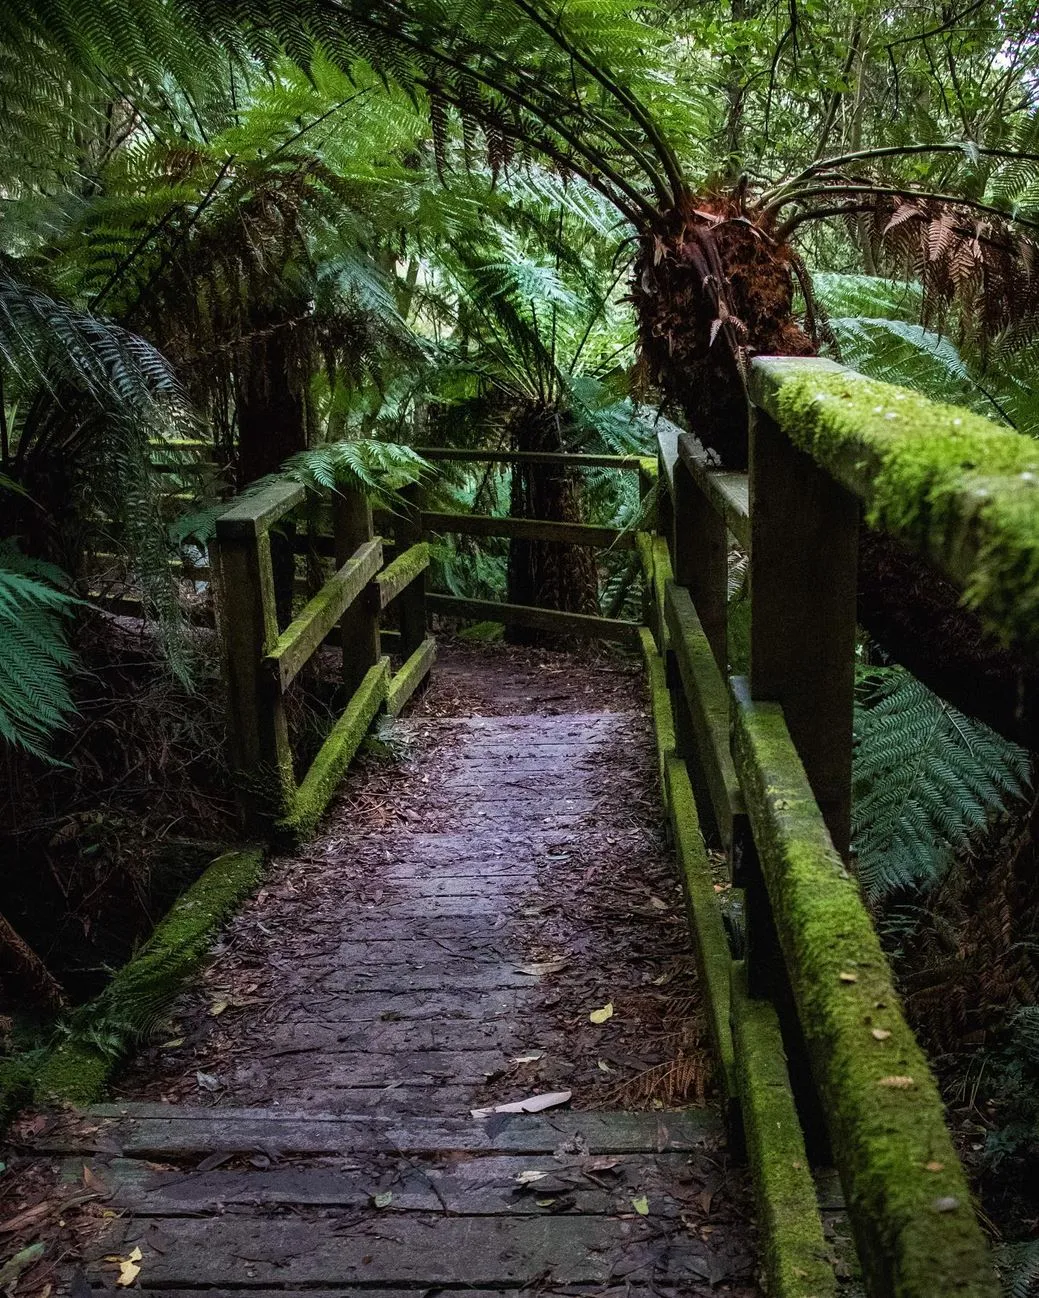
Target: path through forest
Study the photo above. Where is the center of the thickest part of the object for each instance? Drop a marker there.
(488, 915)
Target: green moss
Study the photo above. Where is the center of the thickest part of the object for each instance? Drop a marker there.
(794, 1247)
(100, 1033)
(705, 919)
(403, 571)
(952, 484)
(334, 756)
(907, 1195)
(659, 701)
(410, 677)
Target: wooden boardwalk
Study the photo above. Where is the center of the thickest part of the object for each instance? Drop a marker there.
(439, 950)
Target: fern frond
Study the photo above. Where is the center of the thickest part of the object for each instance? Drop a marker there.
(927, 780)
(34, 654)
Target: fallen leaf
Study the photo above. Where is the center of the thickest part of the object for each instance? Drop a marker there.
(92, 1181)
(383, 1199)
(130, 1268)
(848, 977)
(658, 903)
(218, 1008)
(604, 1067)
(529, 1177)
(534, 1104)
(600, 1016)
(208, 1081)
(934, 1166)
(544, 1203)
(531, 1057)
(13, 1268)
(880, 1034)
(641, 1205)
(172, 1045)
(897, 1083)
(540, 967)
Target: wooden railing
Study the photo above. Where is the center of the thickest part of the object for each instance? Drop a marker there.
(763, 764)
(262, 660)
(436, 523)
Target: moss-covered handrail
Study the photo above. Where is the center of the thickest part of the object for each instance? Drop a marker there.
(949, 484)
(261, 661)
(908, 1199)
(254, 514)
(399, 574)
(305, 633)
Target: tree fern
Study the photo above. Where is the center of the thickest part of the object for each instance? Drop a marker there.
(927, 780)
(34, 654)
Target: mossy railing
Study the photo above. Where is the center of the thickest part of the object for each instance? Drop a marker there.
(262, 659)
(810, 1010)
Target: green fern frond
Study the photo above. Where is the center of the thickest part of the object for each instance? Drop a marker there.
(34, 654)
(927, 780)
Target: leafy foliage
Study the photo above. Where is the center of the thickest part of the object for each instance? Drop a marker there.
(34, 653)
(927, 781)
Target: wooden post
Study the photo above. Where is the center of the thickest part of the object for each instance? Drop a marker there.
(411, 602)
(261, 754)
(804, 533)
(702, 560)
(359, 627)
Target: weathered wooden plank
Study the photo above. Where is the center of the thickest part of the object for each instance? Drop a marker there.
(248, 627)
(402, 572)
(344, 1069)
(226, 1130)
(541, 619)
(803, 600)
(702, 549)
(412, 673)
(708, 698)
(401, 1249)
(728, 492)
(335, 754)
(298, 641)
(247, 518)
(449, 977)
(795, 1249)
(405, 1035)
(561, 458)
(713, 958)
(529, 529)
(484, 1186)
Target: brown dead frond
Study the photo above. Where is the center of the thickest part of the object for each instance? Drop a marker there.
(682, 1080)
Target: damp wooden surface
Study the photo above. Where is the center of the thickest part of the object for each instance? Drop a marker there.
(304, 1122)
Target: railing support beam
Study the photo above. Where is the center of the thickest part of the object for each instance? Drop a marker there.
(804, 540)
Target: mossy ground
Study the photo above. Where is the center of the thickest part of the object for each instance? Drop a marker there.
(99, 1033)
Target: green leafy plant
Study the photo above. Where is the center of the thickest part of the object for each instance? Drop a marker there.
(927, 780)
(34, 653)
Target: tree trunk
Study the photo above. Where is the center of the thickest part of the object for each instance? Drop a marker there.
(547, 574)
(271, 403)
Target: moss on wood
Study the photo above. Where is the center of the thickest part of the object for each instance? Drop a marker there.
(955, 486)
(411, 675)
(100, 1033)
(334, 756)
(659, 702)
(907, 1195)
(402, 572)
(794, 1248)
(710, 943)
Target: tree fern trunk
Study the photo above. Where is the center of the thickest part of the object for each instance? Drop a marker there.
(547, 574)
